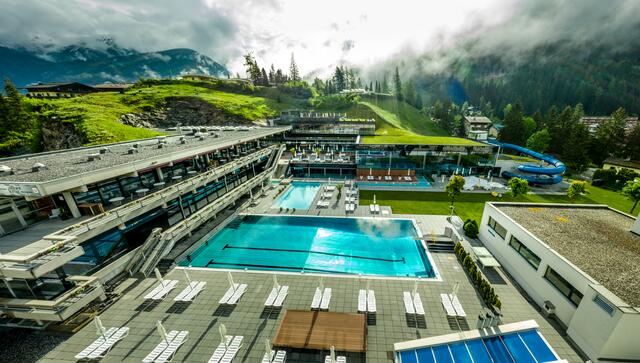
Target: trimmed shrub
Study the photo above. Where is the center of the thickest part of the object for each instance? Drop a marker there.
(471, 229)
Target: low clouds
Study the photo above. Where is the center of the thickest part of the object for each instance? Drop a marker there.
(323, 34)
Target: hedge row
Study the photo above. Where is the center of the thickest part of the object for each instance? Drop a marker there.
(484, 287)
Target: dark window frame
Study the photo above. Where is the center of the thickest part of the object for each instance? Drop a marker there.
(572, 295)
(520, 247)
(493, 225)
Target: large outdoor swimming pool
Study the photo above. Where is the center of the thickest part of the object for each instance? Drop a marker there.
(299, 195)
(387, 247)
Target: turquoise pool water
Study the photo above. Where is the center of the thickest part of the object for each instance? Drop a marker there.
(315, 244)
(421, 183)
(299, 195)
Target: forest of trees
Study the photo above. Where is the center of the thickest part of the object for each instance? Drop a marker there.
(260, 77)
(561, 133)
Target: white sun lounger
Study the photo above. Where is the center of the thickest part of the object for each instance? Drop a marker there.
(457, 306)
(326, 299)
(265, 357)
(101, 346)
(372, 208)
(271, 298)
(417, 304)
(446, 303)
(227, 295)
(162, 290)
(281, 357)
(371, 301)
(163, 352)
(233, 349)
(376, 208)
(220, 350)
(317, 299)
(330, 188)
(339, 359)
(408, 303)
(282, 294)
(237, 294)
(168, 353)
(362, 301)
(190, 292)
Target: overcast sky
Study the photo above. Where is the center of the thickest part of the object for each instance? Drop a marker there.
(321, 33)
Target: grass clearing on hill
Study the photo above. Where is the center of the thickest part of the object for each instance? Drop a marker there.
(471, 205)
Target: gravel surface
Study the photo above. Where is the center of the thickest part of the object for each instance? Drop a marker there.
(597, 240)
(28, 346)
(74, 162)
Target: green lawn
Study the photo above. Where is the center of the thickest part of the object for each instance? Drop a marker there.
(471, 205)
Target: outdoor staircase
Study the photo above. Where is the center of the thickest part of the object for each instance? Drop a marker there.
(141, 255)
(440, 244)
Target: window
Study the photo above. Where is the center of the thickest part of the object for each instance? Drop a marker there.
(563, 286)
(496, 227)
(525, 252)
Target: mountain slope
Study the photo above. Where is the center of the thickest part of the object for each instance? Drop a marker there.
(113, 64)
(601, 79)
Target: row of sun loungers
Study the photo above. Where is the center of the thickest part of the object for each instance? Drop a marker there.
(190, 292)
(452, 305)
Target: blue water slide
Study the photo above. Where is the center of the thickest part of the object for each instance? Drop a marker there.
(535, 174)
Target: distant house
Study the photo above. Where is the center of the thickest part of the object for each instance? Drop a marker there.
(593, 122)
(58, 90)
(615, 163)
(494, 130)
(71, 89)
(477, 127)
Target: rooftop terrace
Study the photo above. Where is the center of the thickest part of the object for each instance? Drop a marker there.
(594, 238)
(74, 162)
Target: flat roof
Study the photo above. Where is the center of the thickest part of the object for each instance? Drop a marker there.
(596, 239)
(73, 163)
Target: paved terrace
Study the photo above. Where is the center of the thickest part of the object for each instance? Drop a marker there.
(74, 162)
(203, 316)
(596, 239)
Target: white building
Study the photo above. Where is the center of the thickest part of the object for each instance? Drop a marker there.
(580, 263)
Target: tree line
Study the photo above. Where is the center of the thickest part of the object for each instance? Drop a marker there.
(260, 77)
(562, 133)
(16, 121)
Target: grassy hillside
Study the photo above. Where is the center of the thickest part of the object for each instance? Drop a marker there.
(401, 123)
(95, 116)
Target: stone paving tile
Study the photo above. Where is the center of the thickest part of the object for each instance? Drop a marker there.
(203, 317)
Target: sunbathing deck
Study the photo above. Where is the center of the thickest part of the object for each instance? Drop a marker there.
(249, 318)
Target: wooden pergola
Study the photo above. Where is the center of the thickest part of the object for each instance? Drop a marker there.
(320, 330)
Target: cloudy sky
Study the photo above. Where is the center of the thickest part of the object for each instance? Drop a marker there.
(321, 33)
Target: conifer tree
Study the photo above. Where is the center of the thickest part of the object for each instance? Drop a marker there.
(293, 70)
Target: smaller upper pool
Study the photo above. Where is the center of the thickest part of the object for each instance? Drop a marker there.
(299, 195)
